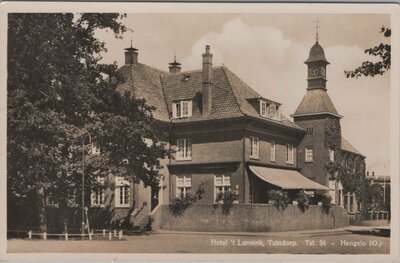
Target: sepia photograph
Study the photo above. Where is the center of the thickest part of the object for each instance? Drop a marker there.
(220, 132)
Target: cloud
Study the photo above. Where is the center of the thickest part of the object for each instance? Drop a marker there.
(274, 66)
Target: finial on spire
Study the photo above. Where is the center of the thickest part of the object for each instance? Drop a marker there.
(317, 28)
(131, 37)
(175, 56)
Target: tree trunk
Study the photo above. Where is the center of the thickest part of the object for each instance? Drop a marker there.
(42, 210)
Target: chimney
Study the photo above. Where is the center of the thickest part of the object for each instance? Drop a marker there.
(174, 67)
(131, 56)
(207, 75)
(373, 173)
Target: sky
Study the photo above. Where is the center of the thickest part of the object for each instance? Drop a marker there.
(268, 51)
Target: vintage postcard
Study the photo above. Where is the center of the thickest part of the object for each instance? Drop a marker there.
(200, 131)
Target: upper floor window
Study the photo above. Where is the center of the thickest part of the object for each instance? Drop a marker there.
(309, 154)
(273, 151)
(183, 186)
(122, 190)
(289, 154)
(269, 110)
(184, 149)
(97, 195)
(222, 184)
(182, 109)
(331, 153)
(254, 147)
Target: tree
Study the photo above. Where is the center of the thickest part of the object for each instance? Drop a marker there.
(58, 92)
(372, 69)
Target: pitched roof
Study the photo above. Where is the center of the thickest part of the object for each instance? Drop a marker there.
(230, 95)
(316, 101)
(144, 83)
(346, 146)
(316, 54)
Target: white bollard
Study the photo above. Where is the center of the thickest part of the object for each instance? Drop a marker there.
(115, 233)
(66, 236)
(104, 232)
(109, 236)
(120, 234)
(30, 234)
(90, 235)
(45, 236)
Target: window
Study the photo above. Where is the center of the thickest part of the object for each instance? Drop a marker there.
(263, 108)
(97, 196)
(222, 184)
(309, 154)
(331, 154)
(273, 151)
(272, 111)
(254, 147)
(289, 153)
(122, 188)
(182, 109)
(184, 149)
(183, 186)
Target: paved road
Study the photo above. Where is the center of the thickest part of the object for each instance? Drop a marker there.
(332, 243)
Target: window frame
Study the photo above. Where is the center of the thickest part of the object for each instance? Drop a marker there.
(121, 183)
(182, 109)
(97, 194)
(224, 185)
(306, 159)
(254, 141)
(263, 108)
(290, 157)
(273, 151)
(186, 154)
(186, 186)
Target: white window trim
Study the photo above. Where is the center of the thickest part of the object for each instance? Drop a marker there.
(186, 185)
(95, 193)
(119, 183)
(273, 151)
(254, 141)
(290, 158)
(184, 153)
(178, 112)
(306, 159)
(263, 108)
(225, 186)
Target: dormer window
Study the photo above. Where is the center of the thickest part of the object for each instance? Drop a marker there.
(182, 109)
(269, 110)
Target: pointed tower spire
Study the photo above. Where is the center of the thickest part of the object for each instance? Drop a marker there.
(174, 67)
(131, 53)
(317, 29)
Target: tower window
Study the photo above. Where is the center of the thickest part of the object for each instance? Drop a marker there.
(309, 154)
(254, 147)
(331, 153)
(289, 154)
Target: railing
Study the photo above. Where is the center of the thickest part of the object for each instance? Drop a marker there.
(375, 215)
(90, 235)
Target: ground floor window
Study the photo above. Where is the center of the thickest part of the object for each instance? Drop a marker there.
(97, 195)
(122, 189)
(183, 186)
(222, 184)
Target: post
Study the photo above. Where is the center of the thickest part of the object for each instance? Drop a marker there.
(104, 232)
(83, 187)
(120, 234)
(109, 235)
(30, 234)
(115, 233)
(44, 235)
(66, 236)
(90, 235)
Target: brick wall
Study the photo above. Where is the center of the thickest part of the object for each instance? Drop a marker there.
(251, 218)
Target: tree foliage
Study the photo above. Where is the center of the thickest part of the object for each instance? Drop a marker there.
(59, 94)
(372, 69)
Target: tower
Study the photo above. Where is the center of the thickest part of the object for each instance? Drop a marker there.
(319, 117)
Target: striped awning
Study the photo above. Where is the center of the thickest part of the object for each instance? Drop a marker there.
(286, 179)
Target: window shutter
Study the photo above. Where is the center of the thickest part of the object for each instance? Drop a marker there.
(190, 109)
(174, 115)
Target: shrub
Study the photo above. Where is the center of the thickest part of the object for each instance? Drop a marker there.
(279, 198)
(326, 203)
(180, 204)
(302, 201)
(227, 198)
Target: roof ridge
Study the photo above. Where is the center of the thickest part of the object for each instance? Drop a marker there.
(153, 68)
(230, 86)
(163, 91)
